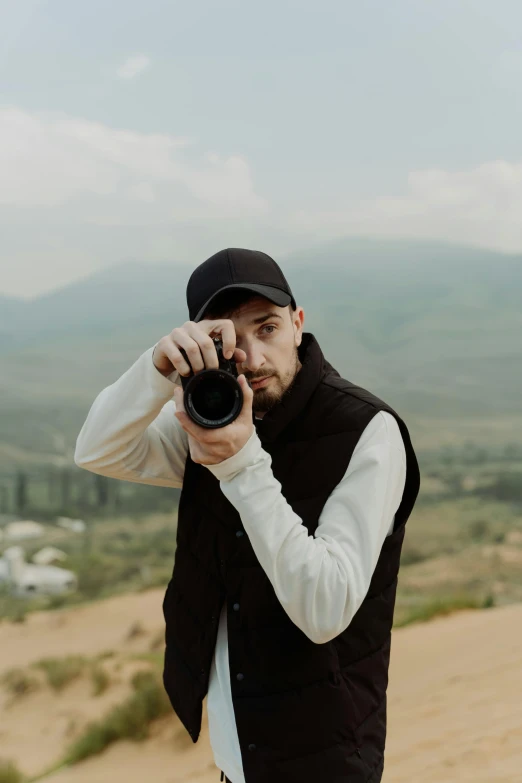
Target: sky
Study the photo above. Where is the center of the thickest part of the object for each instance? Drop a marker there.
(164, 131)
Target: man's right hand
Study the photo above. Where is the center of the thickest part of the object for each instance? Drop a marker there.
(196, 341)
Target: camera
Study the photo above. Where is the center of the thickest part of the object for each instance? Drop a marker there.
(213, 397)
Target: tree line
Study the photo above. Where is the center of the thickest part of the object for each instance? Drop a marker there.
(70, 491)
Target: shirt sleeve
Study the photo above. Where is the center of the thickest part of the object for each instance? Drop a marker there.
(131, 431)
(321, 580)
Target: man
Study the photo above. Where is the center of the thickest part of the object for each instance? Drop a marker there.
(290, 527)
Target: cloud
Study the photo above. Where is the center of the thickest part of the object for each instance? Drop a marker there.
(113, 175)
(133, 66)
(480, 206)
(76, 195)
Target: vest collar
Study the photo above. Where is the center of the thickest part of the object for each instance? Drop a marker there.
(313, 369)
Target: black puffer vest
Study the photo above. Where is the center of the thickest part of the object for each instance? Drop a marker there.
(305, 712)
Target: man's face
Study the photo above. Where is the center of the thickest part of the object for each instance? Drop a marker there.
(271, 348)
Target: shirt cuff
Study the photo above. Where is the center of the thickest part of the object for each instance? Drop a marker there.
(162, 385)
(251, 453)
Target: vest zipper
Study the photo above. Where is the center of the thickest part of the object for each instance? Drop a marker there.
(358, 751)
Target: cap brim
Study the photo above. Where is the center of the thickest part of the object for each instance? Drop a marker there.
(275, 295)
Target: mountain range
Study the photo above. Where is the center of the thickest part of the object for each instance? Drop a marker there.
(433, 328)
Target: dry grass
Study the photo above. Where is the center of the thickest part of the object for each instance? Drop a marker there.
(61, 671)
(9, 773)
(129, 720)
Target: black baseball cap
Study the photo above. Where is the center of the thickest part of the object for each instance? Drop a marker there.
(236, 267)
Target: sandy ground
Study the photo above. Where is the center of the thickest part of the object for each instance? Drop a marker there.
(87, 629)
(455, 699)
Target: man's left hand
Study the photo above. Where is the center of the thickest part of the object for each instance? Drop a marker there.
(212, 446)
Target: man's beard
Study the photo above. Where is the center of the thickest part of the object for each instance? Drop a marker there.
(266, 399)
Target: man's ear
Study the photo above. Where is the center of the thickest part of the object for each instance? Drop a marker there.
(298, 328)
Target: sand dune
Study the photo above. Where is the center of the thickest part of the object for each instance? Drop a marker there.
(455, 703)
(455, 699)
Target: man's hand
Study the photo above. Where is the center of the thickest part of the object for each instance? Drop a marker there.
(211, 446)
(195, 340)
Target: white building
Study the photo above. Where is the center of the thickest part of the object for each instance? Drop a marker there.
(76, 525)
(23, 529)
(25, 579)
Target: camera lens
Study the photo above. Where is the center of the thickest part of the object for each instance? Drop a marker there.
(213, 398)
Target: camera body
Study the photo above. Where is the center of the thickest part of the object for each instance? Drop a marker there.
(213, 397)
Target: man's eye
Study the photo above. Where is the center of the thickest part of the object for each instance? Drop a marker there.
(270, 326)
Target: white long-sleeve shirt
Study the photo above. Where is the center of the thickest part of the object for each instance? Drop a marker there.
(131, 433)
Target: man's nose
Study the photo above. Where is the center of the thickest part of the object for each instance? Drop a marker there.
(254, 359)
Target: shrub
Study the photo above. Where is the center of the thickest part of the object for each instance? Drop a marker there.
(479, 529)
(100, 679)
(19, 615)
(129, 720)
(411, 555)
(60, 671)
(9, 773)
(19, 682)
